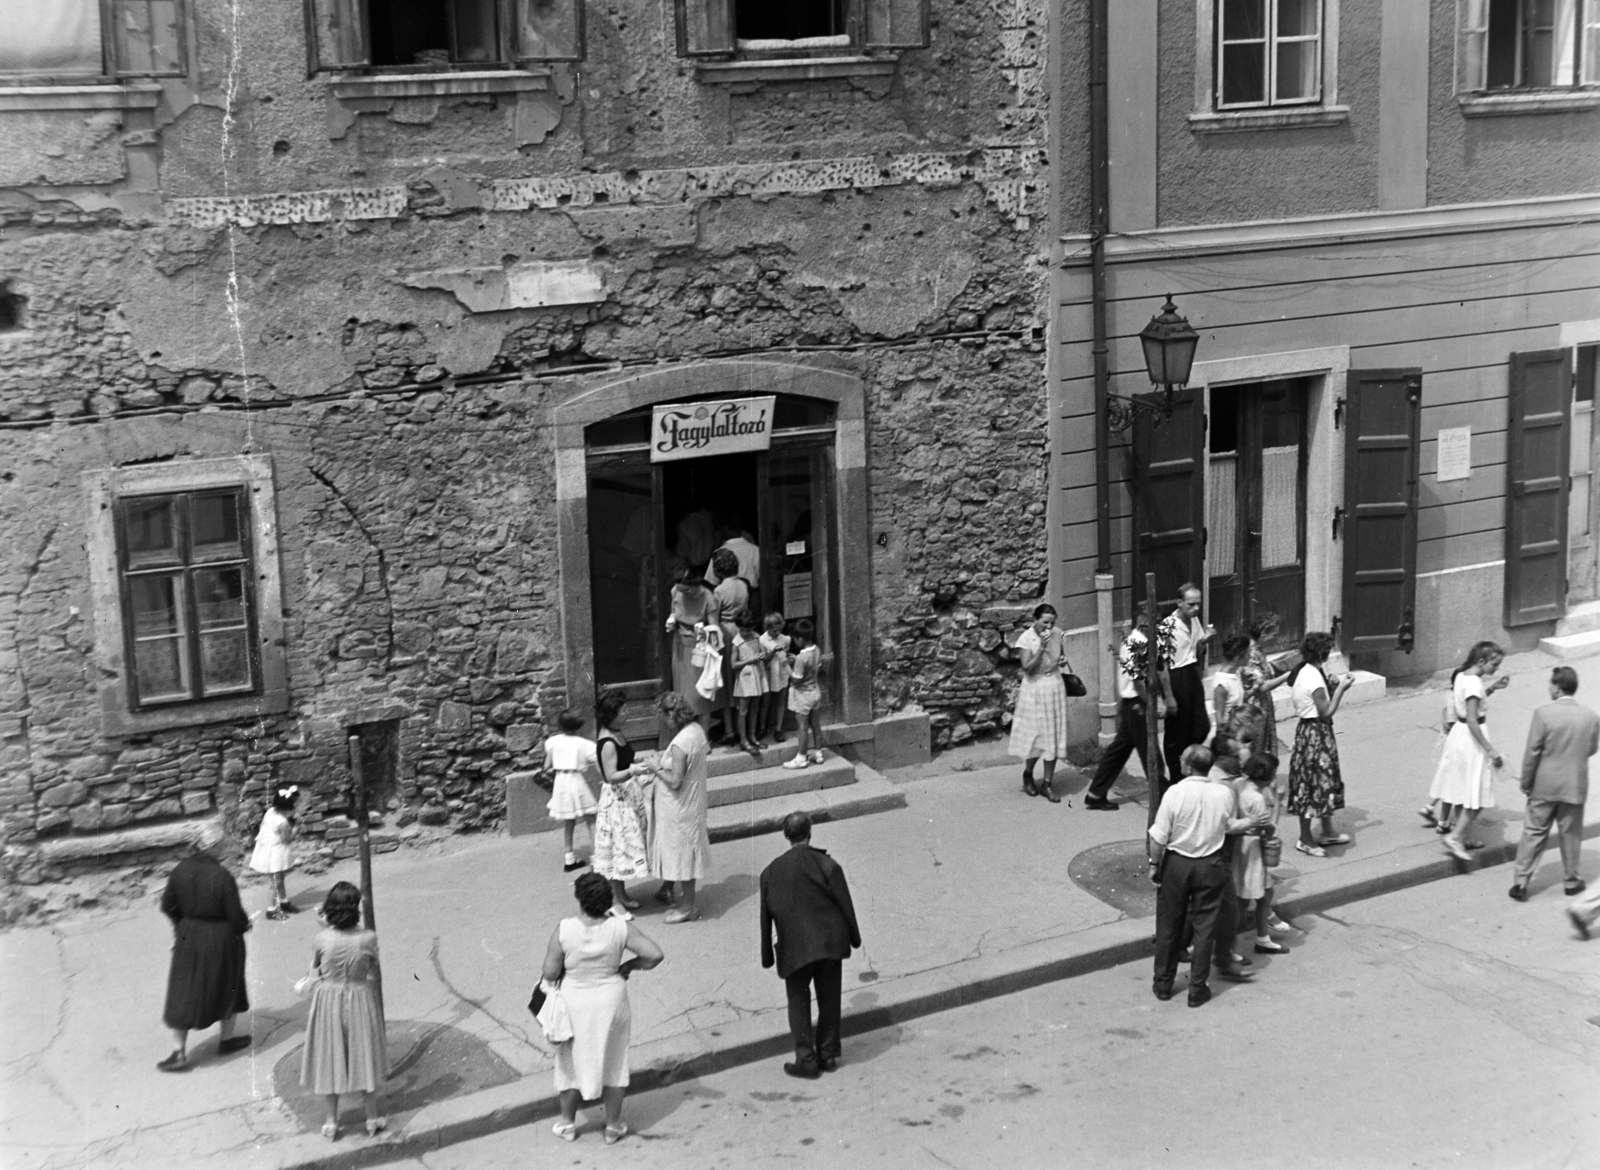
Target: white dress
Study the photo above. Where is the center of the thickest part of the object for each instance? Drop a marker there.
(1465, 774)
(597, 1001)
(570, 757)
(272, 853)
(680, 849)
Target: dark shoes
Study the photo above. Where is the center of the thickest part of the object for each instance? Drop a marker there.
(1199, 996)
(1027, 785)
(1162, 993)
(806, 1072)
(177, 1062)
(1049, 793)
(232, 1044)
(1519, 893)
(1575, 886)
(575, 863)
(1100, 805)
(275, 915)
(831, 1064)
(1235, 974)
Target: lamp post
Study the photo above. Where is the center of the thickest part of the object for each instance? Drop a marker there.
(1169, 344)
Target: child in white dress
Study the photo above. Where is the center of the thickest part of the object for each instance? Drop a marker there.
(272, 855)
(749, 680)
(776, 643)
(571, 758)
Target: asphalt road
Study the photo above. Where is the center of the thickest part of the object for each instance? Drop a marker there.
(1443, 1026)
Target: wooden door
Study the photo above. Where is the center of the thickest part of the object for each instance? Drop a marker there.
(1537, 463)
(627, 587)
(1169, 496)
(1378, 524)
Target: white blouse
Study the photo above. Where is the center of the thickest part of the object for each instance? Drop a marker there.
(1307, 681)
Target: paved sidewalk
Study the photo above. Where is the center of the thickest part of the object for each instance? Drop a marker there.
(963, 894)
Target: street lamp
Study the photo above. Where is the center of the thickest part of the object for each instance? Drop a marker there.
(1169, 344)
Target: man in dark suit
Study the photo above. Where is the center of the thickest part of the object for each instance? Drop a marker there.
(804, 895)
(1555, 779)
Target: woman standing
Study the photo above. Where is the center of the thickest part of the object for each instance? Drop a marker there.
(680, 851)
(695, 621)
(732, 594)
(585, 959)
(206, 980)
(1316, 789)
(1464, 777)
(1039, 723)
(1228, 713)
(621, 826)
(1259, 683)
(346, 1044)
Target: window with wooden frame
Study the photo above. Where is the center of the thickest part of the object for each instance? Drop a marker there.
(1509, 45)
(1268, 53)
(184, 568)
(79, 42)
(799, 28)
(440, 36)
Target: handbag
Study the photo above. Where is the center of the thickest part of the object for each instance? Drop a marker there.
(1074, 684)
(536, 1000)
(710, 675)
(553, 1017)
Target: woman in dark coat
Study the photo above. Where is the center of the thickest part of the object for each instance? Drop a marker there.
(206, 982)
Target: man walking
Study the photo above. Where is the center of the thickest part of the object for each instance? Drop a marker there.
(1135, 700)
(1184, 636)
(1187, 862)
(804, 895)
(1555, 779)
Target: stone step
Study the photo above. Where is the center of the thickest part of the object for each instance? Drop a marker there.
(1580, 619)
(871, 793)
(775, 781)
(726, 761)
(1571, 646)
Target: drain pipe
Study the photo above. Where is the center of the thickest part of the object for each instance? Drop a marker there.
(1099, 226)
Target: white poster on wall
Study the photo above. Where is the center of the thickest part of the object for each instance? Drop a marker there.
(1455, 453)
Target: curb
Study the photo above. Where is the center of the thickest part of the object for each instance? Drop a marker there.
(968, 981)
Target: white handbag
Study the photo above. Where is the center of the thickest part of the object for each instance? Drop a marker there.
(553, 1017)
(711, 675)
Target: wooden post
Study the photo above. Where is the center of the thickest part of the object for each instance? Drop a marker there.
(368, 918)
(1152, 685)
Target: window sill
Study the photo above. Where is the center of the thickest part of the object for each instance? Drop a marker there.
(793, 69)
(1294, 118)
(1500, 105)
(135, 96)
(411, 85)
(117, 722)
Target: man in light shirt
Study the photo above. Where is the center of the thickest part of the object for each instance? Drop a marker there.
(1189, 864)
(736, 539)
(1185, 636)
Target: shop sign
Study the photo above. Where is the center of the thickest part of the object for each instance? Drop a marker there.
(693, 430)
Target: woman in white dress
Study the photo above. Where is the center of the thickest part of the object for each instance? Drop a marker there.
(1463, 781)
(680, 849)
(585, 960)
(1039, 723)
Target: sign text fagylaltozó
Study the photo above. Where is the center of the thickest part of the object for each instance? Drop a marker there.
(693, 430)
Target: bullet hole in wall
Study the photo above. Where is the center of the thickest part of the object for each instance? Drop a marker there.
(280, 147)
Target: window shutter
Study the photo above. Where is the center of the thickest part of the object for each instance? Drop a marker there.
(336, 36)
(705, 27)
(1169, 496)
(147, 38)
(1382, 447)
(1472, 45)
(1537, 435)
(1589, 45)
(896, 24)
(550, 30)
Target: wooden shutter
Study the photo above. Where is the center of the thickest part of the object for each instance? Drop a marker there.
(1169, 495)
(1537, 435)
(1382, 450)
(1472, 45)
(550, 30)
(705, 27)
(336, 35)
(896, 24)
(147, 38)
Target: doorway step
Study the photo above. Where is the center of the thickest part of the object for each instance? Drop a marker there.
(1577, 635)
(750, 796)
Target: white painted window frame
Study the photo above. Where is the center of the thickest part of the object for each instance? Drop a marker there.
(1475, 100)
(1208, 118)
(102, 488)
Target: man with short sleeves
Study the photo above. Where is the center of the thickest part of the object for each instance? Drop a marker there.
(805, 897)
(1555, 779)
(1134, 702)
(1185, 637)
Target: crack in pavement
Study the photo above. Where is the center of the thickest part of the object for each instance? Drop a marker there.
(461, 1014)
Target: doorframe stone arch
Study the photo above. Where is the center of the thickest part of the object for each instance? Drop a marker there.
(605, 396)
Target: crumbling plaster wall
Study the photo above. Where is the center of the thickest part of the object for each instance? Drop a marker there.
(271, 301)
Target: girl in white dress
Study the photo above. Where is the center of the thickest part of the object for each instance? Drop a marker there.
(272, 855)
(776, 643)
(571, 758)
(1463, 781)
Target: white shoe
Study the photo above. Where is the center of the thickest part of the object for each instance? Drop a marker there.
(797, 762)
(815, 757)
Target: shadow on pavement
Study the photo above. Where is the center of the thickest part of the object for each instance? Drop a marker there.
(1118, 874)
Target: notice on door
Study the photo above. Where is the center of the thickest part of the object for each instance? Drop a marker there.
(1455, 453)
(797, 595)
(693, 430)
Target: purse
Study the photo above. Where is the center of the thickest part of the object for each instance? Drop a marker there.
(1074, 684)
(536, 1000)
(553, 1017)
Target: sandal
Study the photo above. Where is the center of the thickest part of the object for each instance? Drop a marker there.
(177, 1062)
(376, 1125)
(1442, 828)
(615, 1133)
(1337, 839)
(1266, 946)
(673, 917)
(1278, 925)
(1311, 850)
(1427, 815)
(567, 1131)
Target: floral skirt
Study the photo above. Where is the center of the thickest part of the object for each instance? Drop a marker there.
(1315, 787)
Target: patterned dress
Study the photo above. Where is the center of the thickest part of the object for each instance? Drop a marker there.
(620, 827)
(1254, 676)
(1039, 723)
(1316, 789)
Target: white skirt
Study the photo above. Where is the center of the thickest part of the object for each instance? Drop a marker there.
(570, 798)
(1464, 775)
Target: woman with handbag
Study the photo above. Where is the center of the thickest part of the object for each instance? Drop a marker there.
(680, 844)
(695, 629)
(1039, 722)
(584, 965)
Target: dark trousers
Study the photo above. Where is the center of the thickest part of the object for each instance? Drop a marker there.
(1228, 912)
(1187, 723)
(1132, 736)
(1192, 889)
(822, 1043)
